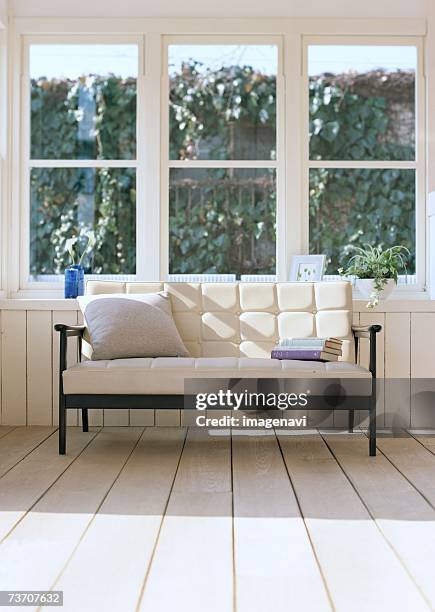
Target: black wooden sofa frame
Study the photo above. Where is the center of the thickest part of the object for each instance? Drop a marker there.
(88, 401)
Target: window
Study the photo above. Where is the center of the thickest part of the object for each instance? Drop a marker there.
(222, 157)
(212, 172)
(365, 167)
(81, 168)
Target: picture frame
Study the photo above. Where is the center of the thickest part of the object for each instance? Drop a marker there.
(307, 268)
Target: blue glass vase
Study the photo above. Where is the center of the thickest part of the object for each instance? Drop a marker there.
(81, 279)
(74, 281)
(71, 284)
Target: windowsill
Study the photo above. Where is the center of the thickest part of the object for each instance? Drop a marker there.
(403, 301)
(38, 303)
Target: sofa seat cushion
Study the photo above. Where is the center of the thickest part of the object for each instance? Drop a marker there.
(166, 375)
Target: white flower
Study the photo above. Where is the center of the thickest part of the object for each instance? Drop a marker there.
(69, 245)
(90, 244)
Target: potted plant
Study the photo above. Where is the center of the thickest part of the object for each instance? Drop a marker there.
(376, 271)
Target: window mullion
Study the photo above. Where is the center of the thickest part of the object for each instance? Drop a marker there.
(387, 165)
(218, 163)
(82, 163)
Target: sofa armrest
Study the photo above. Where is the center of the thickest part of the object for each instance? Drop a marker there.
(66, 331)
(367, 331)
(70, 330)
(363, 331)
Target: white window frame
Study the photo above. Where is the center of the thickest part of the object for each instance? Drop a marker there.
(4, 88)
(167, 164)
(151, 183)
(417, 281)
(27, 163)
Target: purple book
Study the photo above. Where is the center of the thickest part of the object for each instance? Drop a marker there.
(303, 355)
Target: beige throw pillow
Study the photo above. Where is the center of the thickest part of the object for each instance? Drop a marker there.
(131, 325)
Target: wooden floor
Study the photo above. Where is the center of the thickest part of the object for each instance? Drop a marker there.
(169, 520)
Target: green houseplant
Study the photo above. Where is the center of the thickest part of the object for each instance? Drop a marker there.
(376, 270)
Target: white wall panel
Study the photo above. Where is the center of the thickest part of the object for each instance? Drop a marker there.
(422, 369)
(30, 354)
(397, 369)
(39, 367)
(14, 409)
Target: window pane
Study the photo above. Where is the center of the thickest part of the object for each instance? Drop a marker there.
(353, 207)
(222, 101)
(222, 221)
(362, 102)
(83, 101)
(67, 200)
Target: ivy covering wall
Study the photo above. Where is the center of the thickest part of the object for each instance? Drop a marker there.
(222, 220)
(362, 117)
(93, 118)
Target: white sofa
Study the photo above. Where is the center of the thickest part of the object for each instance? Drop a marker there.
(229, 330)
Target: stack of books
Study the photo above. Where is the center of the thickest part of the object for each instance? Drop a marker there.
(308, 349)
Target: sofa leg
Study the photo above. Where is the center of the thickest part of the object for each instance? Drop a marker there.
(351, 420)
(372, 443)
(372, 428)
(62, 426)
(85, 421)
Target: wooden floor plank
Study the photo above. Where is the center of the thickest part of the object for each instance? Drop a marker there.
(361, 570)
(111, 570)
(24, 484)
(91, 522)
(270, 540)
(43, 541)
(6, 429)
(19, 443)
(192, 569)
(426, 440)
(415, 461)
(404, 517)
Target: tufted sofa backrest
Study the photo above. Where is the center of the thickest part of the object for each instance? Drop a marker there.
(247, 319)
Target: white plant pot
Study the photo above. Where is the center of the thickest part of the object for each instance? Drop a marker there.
(366, 286)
